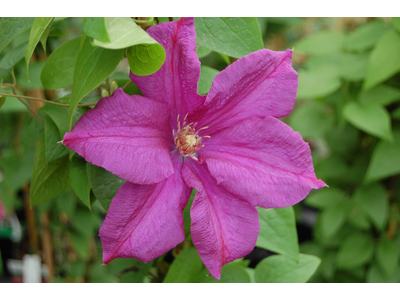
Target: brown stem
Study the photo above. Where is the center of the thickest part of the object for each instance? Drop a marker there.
(46, 101)
(30, 219)
(47, 245)
(126, 85)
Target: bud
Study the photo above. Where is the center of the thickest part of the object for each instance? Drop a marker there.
(104, 93)
(114, 86)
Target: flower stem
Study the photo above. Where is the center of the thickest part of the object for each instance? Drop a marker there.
(19, 98)
(148, 20)
(42, 100)
(126, 85)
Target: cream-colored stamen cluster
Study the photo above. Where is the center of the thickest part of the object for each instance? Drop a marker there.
(187, 138)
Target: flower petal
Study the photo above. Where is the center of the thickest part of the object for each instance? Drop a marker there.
(260, 84)
(224, 227)
(146, 221)
(262, 161)
(175, 82)
(129, 136)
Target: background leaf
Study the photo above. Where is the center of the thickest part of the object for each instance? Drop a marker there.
(48, 179)
(124, 33)
(93, 66)
(356, 250)
(278, 231)
(321, 44)
(373, 119)
(384, 61)
(385, 159)
(96, 28)
(79, 179)
(39, 26)
(104, 184)
(185, 267)
(145, 59)
(59, 68)
(280, 269)
(235, 37)
(11, 28)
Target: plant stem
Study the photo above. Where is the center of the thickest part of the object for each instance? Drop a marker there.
(108, 85)
(42, 100)
(126, 85)
(148, 20)
(22, 101)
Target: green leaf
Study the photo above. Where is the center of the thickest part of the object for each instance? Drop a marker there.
(311, 120)
(381, 94)
(332, 219)
(54, 149)
(185, 267)
(387, 256)
(325, 197)
(12, 27)
(375, 275)
(230, 273)
(207, 76)
(13, 57)
(365, 36)
(385, 159)
(48, 179)
(58, 70)
(146, 59)
(186, 213)
(356, 250)
(353, 67)
(96, 28)
(384, 61)
(124, 33)
(45, 35)
(396, 23)
(278, 231)
(2, 100)
(85, 222)
(235, 37)
(93, 66)
(373, 200)
(202, 51)
(81, 245)
(104, 184)
(59, 115)
(280, 269)
(39, 26)
(79, 179)
(322, 43)
(317, 83)
(373, 119)
(66, 203)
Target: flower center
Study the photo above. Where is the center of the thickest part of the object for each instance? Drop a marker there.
(187, 138)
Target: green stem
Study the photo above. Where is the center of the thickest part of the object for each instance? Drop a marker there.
(19, 98)
(149, 20)
(108, 85)
(126, 85)
(45, 101)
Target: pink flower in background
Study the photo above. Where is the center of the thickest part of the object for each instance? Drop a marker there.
(237, 154)
(2, 211)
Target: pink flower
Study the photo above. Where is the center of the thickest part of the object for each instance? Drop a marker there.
(161, 145)
(2, 211)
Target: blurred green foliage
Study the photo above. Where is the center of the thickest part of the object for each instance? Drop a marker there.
(347, 109)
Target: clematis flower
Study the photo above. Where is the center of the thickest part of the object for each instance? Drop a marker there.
(228, 145)
(2, 211)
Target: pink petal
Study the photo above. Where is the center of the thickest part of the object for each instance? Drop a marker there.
(129, 136)
(261, 84)
(224, 227)
(262, 161)
(146, 221)
(176, 82)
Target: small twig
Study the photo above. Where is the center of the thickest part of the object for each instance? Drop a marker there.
(22, 101)
(148, 20)
(126, 85)
(46, 101)
(108, 85)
